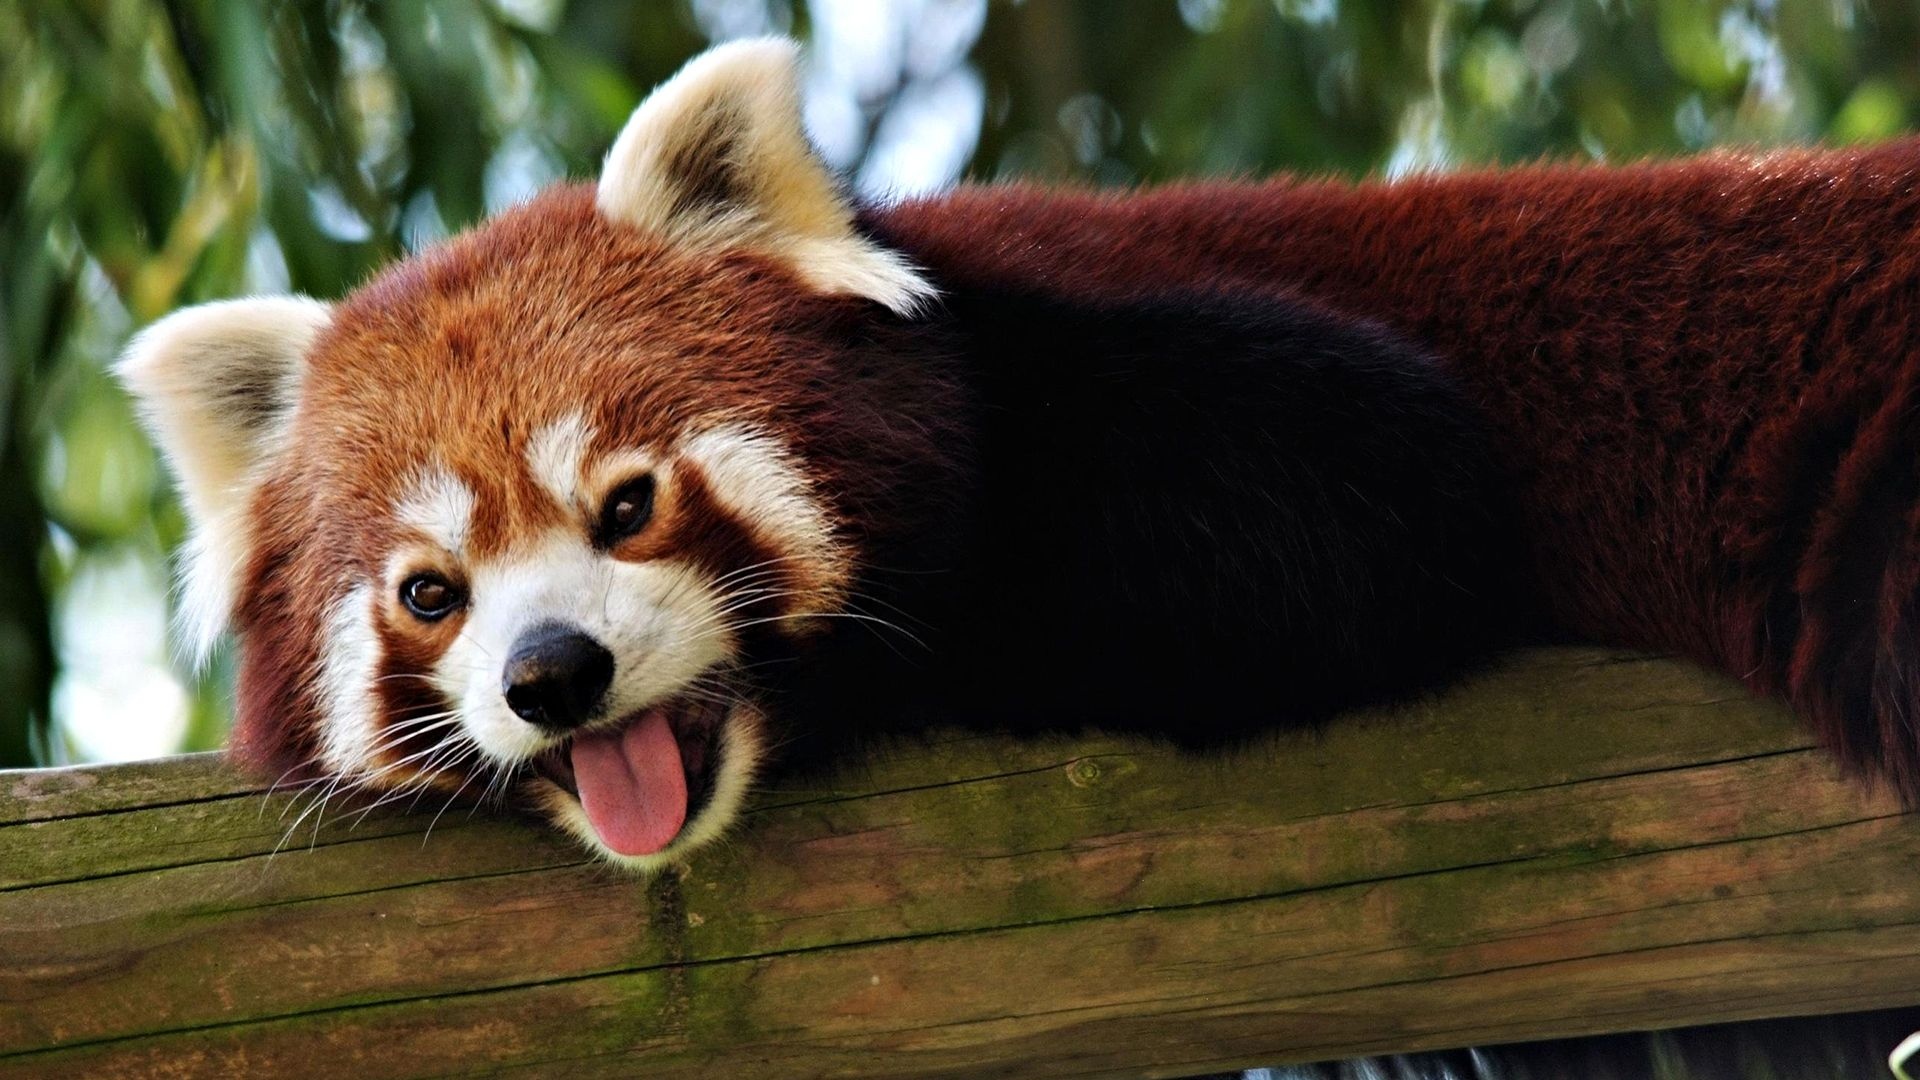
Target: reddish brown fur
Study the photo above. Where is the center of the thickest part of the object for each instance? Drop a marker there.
(1703, 375)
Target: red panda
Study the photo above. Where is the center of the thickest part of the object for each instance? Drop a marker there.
(647, 486)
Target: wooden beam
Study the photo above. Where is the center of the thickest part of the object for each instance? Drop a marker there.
(1578, 841)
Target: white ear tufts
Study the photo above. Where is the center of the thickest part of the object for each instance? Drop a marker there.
(717, 157)
(216, 386)
(860, 267)
(730, 113)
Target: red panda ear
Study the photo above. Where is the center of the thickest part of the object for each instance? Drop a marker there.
(717, 157)
(216, 386)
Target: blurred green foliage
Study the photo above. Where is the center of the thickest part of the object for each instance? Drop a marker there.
(155, 154)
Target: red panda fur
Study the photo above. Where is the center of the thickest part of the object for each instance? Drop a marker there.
(1703, 376)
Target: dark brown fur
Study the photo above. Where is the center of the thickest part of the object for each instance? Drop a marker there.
(1703, 374)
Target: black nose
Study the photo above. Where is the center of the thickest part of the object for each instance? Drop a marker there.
(556, 676)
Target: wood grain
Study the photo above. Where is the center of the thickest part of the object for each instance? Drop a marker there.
(1578, 841)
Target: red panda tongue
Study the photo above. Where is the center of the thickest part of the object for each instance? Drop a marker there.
(632, 785)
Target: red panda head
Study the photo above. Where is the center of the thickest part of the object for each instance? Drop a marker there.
(504, 517)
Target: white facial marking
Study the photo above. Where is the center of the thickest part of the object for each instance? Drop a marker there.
(659, 619)
(436, 503)
(759, 480)
(555, 455)
(349, 728)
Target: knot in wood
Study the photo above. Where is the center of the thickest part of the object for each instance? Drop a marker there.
(1083, 772)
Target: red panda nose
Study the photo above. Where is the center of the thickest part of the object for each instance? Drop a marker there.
(556, 676)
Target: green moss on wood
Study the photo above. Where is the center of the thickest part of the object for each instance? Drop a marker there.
(1576, 838)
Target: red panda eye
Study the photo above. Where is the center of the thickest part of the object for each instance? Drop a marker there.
(430, 597)
(627, 510)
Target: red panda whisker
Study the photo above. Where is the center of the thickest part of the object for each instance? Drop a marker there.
(766, 569)
(427, 768)
(422, 779)
(412, 785)
(756, 587)
(312, 790)
(716, 623)
(674, 590)
(503, 780)
(416, 785)
(739, 575)
(396, 735)
(904, 615)
(706, 680)
(266, 797)
(750, 593)
(763, 565)
(867, 597)
(416, 721)
(358, 783)
(744, 602)
(873, 623)
(426, 718)
(738, 598)
(496, 788)
(858, 610)
(714, 617)
(767, 662)
(425, 774)
(763, 568)
(856, 616)
(451, 799)
(319, 802)
(306, 789)
(294, 802)
(774, 560)
(448, 751)
(710, 697)
(428, 776)
(395, 740)
(405, 675)
(772, 579)
(718, 695)
(394, 743)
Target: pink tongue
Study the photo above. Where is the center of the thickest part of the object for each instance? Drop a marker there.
(632, 785)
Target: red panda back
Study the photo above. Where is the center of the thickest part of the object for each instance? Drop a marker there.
(1702, 375)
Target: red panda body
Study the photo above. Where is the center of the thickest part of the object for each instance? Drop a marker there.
(1702, 376)
(598, 504)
